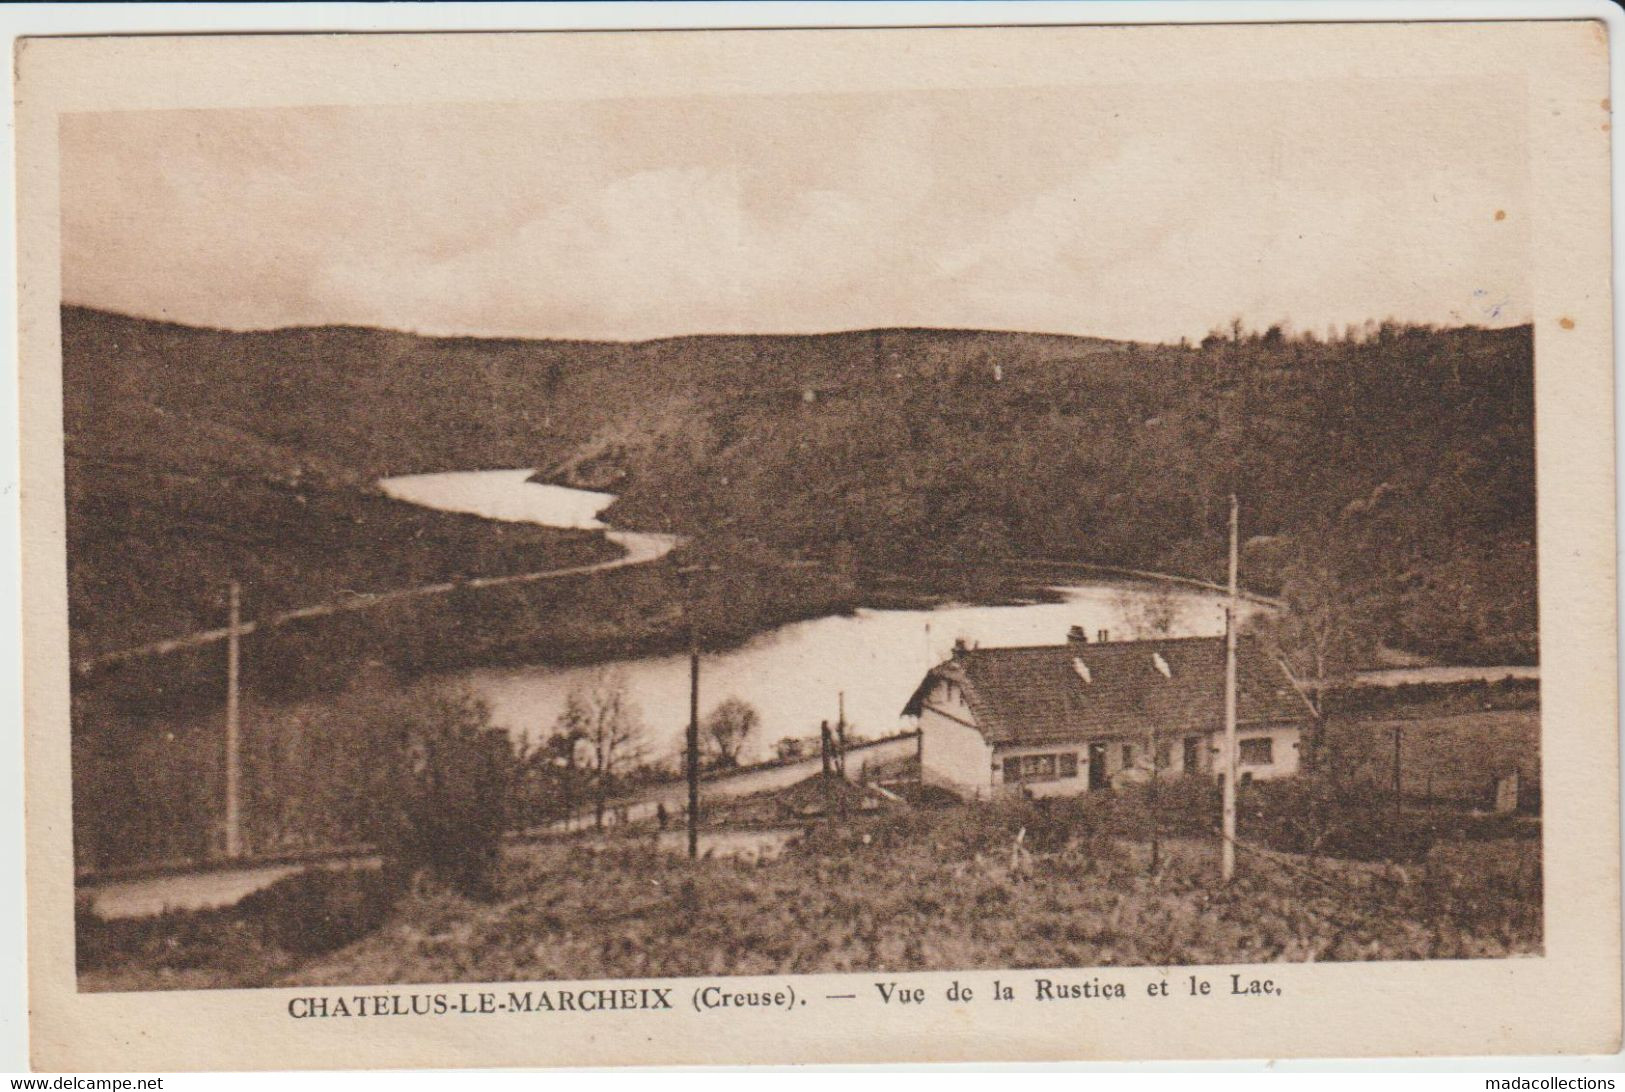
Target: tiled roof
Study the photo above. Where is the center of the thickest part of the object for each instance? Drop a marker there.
(1038, 695)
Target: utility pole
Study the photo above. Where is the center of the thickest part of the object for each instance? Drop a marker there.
(826, 741)
(234, 833)
(1156, 819)
(840, 732)
(693, 741)
(840, 748)
(1228, 849)
(686, 575)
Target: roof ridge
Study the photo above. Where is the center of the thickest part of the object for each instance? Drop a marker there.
(1158, 640)
(1008, 648)
(1101, 644)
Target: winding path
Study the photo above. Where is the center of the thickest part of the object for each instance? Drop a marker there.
(641, 548)
(138, 892)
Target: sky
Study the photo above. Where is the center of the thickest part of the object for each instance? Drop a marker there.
(1148, 211)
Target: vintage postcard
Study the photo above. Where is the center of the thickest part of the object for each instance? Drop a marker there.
(1026, 543)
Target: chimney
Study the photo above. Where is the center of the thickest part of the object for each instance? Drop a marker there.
(959, 647)
(1076, 636)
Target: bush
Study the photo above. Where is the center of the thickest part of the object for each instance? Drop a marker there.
(90, 939)
(436, 796)
(1310, 815)
(1177, 806)
(1351, 834)
(321, 909)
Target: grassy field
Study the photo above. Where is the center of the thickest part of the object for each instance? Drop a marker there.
(924, 890)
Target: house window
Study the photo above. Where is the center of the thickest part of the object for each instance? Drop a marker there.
(1165, 753)
(1128, 754)
(1193, 754)
(1258, 752)
(1039, 767)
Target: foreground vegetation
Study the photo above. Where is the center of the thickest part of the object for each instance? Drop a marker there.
(925, 890)
(1332, 867)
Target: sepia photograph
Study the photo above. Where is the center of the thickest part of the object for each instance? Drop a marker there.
(745, 532)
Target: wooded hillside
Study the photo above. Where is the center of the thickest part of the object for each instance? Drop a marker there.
(1387, 476)
(182, 476)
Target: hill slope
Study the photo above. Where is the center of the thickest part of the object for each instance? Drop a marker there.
(1390, 477)
(1389, 482)
(180, 480)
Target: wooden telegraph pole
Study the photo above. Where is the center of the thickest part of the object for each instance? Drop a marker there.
(693, 743)
(840, 732)
(1156, 817)
(686, 575)
(840, 753)
(826, 744)
(1228, 848)
(234, 834)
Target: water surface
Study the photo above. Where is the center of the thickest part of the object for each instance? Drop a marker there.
(798, 674)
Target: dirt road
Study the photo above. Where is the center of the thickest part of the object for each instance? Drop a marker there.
(208, 888)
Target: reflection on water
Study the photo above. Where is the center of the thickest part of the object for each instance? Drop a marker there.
(502, 494)
(794, 675)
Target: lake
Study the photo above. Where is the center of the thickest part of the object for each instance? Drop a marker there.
(798, 674)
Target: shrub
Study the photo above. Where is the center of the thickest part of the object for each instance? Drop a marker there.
(435, 795)
(321, 909)
(90, 939)
(1314, 815)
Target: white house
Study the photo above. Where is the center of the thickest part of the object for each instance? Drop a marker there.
(1070, 718)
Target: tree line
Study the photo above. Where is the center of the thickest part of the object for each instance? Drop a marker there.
(384, 760)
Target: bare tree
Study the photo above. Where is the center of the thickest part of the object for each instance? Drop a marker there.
(727, 728)
(601, 712)
(1324, 633)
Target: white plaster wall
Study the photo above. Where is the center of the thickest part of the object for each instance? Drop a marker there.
(953, 754)
(1284, 752)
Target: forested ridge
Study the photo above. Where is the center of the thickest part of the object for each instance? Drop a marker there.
(1389, 476)
(1386, 475)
